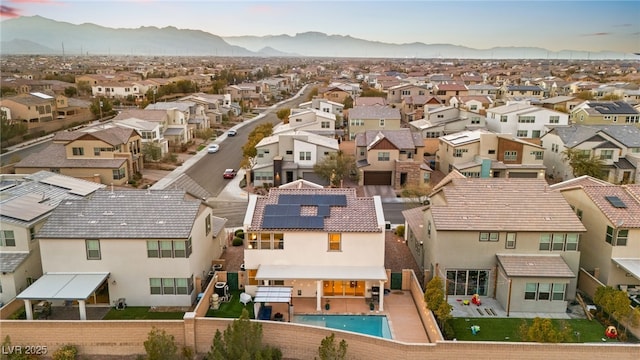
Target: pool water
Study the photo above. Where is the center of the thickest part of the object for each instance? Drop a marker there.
(374, 325)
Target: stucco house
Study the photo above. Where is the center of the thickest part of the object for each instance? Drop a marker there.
(32, 109)
(150, 124)
(605, 113)
(617, 146)
(110, 156)
(310, 120)
(363, 118)
(391, 157)
(289, 156)
(511, 239)
(397, 93)
(321, 243)
(524, 120)
(481, 153)
(610, 249)
(150, 247)
(27, 202)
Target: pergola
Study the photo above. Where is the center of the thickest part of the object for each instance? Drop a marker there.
(63, 286)
(272, 294)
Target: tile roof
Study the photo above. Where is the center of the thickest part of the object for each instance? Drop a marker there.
(572, 135)
(492, 204)
(611, 107)
(584, 180)
(56, 157)
(628, 216)
(415, 220)
(375, 112)
(360, 214)
(124, 214)
(548, 266)
(401, 138)
(148, 115)
(9, 261)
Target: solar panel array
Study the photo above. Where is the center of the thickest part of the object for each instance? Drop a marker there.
(616, 202)
(286, 214)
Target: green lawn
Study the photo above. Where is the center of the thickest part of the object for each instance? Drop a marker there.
(141, 313)
(231, 309)
(506, 329)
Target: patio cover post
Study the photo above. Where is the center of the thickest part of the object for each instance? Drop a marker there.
(381, 296)
(318, 295)
(83, 309)
(28, 309)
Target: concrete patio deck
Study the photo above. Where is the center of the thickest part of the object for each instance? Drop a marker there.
(399, 308)
(490, 308)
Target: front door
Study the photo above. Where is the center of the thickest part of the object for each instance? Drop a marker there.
(289, 176)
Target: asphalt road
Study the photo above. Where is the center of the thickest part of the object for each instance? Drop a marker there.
(23, 152)
(207, 172)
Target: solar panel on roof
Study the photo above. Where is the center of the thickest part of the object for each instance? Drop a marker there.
(282, 210)
(616, 202)
(324, 210)
(292, 222)
(310, 200)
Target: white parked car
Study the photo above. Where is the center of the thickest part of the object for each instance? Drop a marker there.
(213, 148)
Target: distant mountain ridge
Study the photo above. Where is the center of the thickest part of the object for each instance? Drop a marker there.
(39, 35)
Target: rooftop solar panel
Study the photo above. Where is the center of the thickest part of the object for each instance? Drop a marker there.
(292, 222)
(616, 202)
(308, 200)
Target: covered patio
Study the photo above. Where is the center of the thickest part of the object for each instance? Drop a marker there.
(63, 287)
(375, 276)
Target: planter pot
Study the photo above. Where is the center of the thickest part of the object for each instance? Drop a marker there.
(372, 306)
(327, 306)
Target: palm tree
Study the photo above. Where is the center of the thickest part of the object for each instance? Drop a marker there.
(583, 164)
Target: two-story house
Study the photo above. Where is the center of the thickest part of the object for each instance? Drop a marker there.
(523, 91)
(116, 90)
(605, 113)
(482, 90)
(321, 243)
(610, 249)
(109, 156)
(617, 146)
(363, 118)
(309, 120)
(32, 109)
(391, 157)
(150, 247)
(511, 239)
(27, 201)
(481, 153)
(414, 107)
(396, 94)
(561, 103)
(447, 90)
(150, 124)
(446, 120)
(178, 130)
(524, 120)
(474, 103)
(324, 105)
(289, 156)
(250, 94)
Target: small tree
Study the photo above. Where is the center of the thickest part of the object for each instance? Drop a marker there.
(328, 349)
(241, 340)
(249, 151)
(336, 167)
(160, 345)
(584, 165)
(70, 91)
(151, 152)
(101, 107)
(66, 352)
(283, 115)
(312, 93)
(543, 331)
(434, 296)
(613, 302)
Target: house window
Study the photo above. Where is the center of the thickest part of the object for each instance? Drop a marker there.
(558, 292)
(265, 241)
(168, 286)
(527, 119)
(426, 177)
(535, 134)
(180, 249)
(93, 249)
(606, 154)
(579, 214)
(571, 243)
(118, 174)
(182, 286)
(472, 108)
(557, 243)
(475, 119)
(153, 251)
(503, 118)
(207, 224)
(554, 119)
(622, 236)
(609, 236)
(458, 152)
(305, 155)
(166, 250)
(432, 134)
(530, 290)
(32, 233)
(489, 236)
(253, 241)
(77, 151)
(545, 242)
(383, 156)
(538, 155)
(381, 122)
(491, 152)
(510, 155)
(325, 125)
(511, 241)
(155, 286)
(335, 241)
(522, 133)
(544, 291)
(251, 277)
(8, 238)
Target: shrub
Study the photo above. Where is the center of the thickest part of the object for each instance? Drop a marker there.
(237, 241)
(160, 345)
(66, 352)
(400, 230)
(239, 233)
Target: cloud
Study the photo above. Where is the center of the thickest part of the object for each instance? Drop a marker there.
(597, 34)
(8, 11)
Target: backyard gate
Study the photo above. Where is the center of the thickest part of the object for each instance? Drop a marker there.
(396, 281)
(232, 280)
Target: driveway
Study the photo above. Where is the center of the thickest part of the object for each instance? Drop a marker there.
(384, 191)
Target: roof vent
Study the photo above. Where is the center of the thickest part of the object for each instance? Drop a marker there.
(616, 202)
(107, 213)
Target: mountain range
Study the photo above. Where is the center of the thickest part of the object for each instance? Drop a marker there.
(31, 35)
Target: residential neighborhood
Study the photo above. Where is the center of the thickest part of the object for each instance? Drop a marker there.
(183, 187)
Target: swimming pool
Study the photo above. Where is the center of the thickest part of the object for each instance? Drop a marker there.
(375, 325)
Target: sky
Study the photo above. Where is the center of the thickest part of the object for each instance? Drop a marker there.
(553, 25)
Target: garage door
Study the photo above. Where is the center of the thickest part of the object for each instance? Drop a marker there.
(377, 178)
(523, 175)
